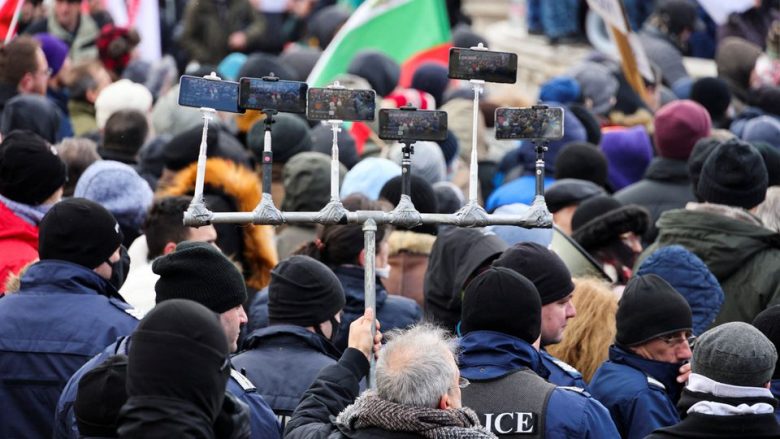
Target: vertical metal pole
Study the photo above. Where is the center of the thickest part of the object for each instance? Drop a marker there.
(208, 114)
(541, 147)
(335, 126)
(369, 266)
(406, 169)
(473, 170)
(268, 155)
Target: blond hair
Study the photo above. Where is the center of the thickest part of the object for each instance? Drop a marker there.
(587, 337)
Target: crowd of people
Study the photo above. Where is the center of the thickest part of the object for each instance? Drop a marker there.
(651, 309)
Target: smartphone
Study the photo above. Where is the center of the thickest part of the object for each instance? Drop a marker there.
(413, 125)
(195, 91)
(272, 94)
(484, 65)
(545, 123)
(340, 104)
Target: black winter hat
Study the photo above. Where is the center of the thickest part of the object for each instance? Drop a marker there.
(304, 292)
(582, 161)
(199, 272)
(713, 94)
(381, 71)
(80, 231)
(322, 141)
(570, 191)
(771, 156)
(541, 266)
(30, 169)
(184, 148)
(179, 352)
(503, 301)
(768, 322)
(289, 136)
(734, 174)
(101, 393)
(602, 218)
(261, 64)
(422, 195)
(650, 308)
(701, 150)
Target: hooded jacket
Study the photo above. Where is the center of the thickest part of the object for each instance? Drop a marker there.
(283, 361)
(738, 253)
(18, 244)
(62, 316)
(640, 394)
(262, 420)
(242, 186)
(455, 255)
(489, 355)
(409, 252)
(393, 311)
(665, 186)
(744, 417)
(81, 45)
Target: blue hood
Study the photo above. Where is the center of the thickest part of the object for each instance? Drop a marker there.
(666, 373)
(64, 277)
(487, 355)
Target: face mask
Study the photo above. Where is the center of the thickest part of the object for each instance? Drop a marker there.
(383, 272)
(119, 268)
(335, 329)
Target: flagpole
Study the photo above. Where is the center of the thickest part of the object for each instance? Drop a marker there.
(14, 21)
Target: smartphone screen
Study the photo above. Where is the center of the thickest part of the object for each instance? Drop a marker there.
(340, 104)
(198, 92)
(484, 65)
(283, 96)
(529, 123)
(412, 125)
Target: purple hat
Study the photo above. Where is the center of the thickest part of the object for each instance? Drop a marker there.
(55, 50)
(628, 152)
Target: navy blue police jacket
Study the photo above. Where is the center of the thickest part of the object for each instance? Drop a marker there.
(640, 394)
(283, 361)
(261, 419)
(561, 373)
(570, 413)
(61, 317)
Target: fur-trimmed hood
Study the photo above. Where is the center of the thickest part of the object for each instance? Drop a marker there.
(240, 183)
(412, 242)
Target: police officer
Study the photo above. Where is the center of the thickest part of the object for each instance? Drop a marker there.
(501, 324)
(200, 272)
(641, 382)
(65, 312)
(553, 281)
(283, 359)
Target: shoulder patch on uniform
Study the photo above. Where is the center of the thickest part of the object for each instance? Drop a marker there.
(576, 389)
(127, 309)
(567, 367)
(654, 382)
(242, 381)
(135, 312)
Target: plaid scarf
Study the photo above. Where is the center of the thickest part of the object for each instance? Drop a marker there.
(371, 411)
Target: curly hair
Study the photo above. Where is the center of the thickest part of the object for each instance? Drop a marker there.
(587, 337)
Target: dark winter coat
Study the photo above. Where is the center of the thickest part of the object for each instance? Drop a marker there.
(283, 361)
(392, 311)
(665, 186)
(743, 257)
(60, 318)
(640, 394)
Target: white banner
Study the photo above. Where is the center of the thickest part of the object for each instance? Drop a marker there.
(612, 13)
(719, 10)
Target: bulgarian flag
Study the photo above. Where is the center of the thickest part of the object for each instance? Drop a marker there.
(9, 18)
(409, 31)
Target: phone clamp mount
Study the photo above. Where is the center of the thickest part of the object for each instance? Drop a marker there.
(197, 214)
(334, 212)
(405, 213)
(539, 205)
(266, 212)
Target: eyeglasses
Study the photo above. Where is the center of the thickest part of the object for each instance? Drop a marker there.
(48, 72)
(463, 382)
(676, 340)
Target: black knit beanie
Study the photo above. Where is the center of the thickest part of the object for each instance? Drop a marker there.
(179, 352)
(290, 135)
(422, 195)
(734, 174)
(198, 271)
(184, 148)
(304, 292)
(30, 169)
(101, 393)
(650, 308)
(771, 156)
(503, 301)
(583, 161)
(80, 231)
(701, 150)
(713, 94)
(768, 322)
(541, 266)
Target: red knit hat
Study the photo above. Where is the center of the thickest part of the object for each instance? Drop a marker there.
(678, 126)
